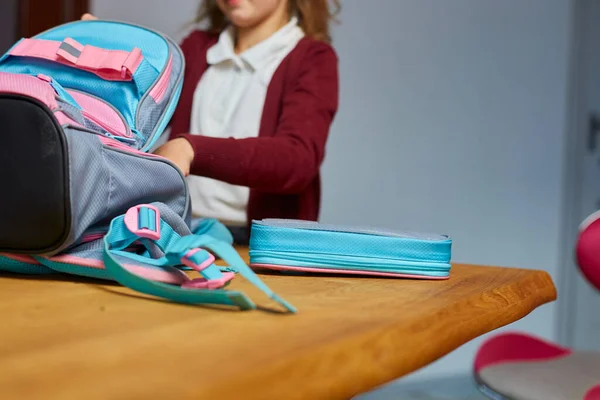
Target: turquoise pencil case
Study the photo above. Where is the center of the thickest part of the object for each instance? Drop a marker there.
(306, 246)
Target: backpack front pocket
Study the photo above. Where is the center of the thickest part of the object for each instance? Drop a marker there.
(103, 115)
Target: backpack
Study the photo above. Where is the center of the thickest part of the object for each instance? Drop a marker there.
(81, 106)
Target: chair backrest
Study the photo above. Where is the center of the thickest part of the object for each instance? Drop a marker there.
(588, 249)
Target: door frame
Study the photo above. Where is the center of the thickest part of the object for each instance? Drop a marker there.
(36, 16)
(574, 148)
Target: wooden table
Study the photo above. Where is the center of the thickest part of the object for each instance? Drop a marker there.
(80, 339)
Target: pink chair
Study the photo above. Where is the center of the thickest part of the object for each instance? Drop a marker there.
(516, 366)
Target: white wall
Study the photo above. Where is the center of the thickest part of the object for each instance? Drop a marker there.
(452, 119)
(171, 17)
(467, 131)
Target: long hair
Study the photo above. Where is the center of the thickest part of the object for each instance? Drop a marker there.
(313, 16)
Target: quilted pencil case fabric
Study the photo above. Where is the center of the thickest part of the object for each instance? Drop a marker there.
(305, 246)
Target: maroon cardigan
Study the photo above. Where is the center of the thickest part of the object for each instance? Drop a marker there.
(281, 166)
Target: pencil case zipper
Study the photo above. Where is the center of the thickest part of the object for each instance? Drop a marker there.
(289, 244)
(336, 261)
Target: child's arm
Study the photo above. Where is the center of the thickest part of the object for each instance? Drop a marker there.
(289, 161)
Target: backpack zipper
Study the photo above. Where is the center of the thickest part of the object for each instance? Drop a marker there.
(159, 90)
(94, 119)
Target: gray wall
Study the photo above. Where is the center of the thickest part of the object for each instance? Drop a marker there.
(8, 23)
(452, 119)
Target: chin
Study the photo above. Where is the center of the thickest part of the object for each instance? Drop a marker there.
(241, 19)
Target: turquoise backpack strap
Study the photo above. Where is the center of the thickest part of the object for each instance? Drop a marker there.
(211, 227)
(144, 224)
(22, 264)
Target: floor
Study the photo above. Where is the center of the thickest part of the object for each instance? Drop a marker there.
(455, 388)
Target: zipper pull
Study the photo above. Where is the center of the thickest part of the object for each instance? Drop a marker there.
(137, 133)
(120, 138)
(60, 91)
(71, 112)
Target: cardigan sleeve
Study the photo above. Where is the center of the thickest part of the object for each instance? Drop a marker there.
(288, 161)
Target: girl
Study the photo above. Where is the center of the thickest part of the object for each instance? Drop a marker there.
(260, 93)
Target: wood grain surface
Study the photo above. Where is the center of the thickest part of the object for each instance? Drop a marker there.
(66, 338)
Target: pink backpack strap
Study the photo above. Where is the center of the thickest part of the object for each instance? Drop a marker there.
(113, 65)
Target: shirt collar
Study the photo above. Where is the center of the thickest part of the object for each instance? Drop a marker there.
(257, 55)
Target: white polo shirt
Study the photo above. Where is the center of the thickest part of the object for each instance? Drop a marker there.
(228, 102)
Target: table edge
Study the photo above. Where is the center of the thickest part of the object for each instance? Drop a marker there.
(363, 378)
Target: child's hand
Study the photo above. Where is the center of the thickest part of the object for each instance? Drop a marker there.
(88, 17)
(180, 152)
